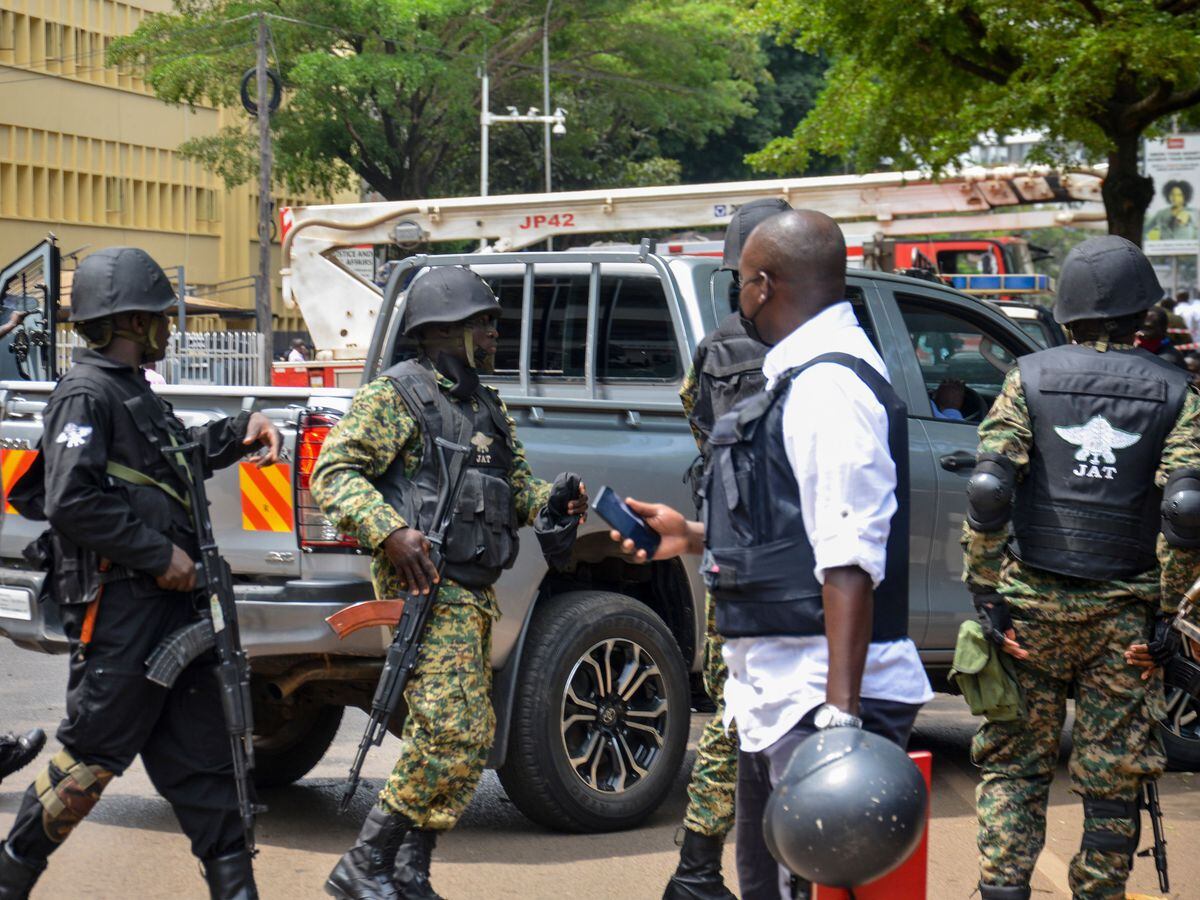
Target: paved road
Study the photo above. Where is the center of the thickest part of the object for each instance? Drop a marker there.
(130, 846)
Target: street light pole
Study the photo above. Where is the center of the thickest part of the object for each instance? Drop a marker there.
(262, 297)
(546, 87)
(484, 123)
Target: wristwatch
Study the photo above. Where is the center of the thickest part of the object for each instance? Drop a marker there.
(829, 716)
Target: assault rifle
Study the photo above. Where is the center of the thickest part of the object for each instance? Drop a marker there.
(1159, 850)
(414, 612)
(217, 628)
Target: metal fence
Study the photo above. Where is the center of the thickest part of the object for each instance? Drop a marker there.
(228, 358)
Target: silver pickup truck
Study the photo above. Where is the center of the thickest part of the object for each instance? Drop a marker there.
(594, 346)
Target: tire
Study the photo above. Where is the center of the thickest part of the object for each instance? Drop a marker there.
(290, 751)
(1180, 731)
(628, 750)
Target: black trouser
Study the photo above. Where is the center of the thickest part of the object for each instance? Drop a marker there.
(760, 877)
(114, 713)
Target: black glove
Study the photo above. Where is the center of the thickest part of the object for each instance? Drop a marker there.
(992, 612)
(564, 489)
(554, 527)
(1164, 641)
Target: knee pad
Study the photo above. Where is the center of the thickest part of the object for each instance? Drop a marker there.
(990, 492)
(1111, 841)
(67, 790)
(1181, 508)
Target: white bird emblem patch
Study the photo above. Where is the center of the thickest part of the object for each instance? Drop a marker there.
(1096, 439)
(74, 435)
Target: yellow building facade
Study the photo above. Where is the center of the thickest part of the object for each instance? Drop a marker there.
(87, 152)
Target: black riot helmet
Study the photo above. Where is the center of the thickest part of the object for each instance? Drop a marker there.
(444, 295)
(1105, 278)
(849, 808)
(744, 220)
(118, 280)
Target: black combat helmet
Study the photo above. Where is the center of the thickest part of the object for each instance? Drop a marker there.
(447, 294)
(117, 280)
(744, 220)
(1105, 278)
(849, 808)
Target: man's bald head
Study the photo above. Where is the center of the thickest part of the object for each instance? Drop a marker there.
(794, 265)
(803, 246)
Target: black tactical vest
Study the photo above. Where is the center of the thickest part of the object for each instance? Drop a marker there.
(481, 541)
(759, 562)
(1088, 506)
(728, 369)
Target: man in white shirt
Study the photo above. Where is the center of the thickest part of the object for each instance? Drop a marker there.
(298, 352)
(806, 530)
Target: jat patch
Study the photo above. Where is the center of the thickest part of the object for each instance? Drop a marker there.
(266, 497)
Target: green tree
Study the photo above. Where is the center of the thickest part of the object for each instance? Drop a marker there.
(388, 90)
(915, 83)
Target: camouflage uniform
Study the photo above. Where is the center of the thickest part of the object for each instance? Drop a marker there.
(710, 809)
(450, 721)
(1076, 632)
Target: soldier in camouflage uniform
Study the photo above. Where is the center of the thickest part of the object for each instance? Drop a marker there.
(727, 367)
(1079, 449)
(375, 477)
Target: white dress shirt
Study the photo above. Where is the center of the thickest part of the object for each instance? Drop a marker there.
(835, 432)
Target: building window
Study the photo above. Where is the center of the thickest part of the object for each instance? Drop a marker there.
(208, 205)
(115, 190)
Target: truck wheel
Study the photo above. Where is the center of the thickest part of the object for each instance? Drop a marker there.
(601, 714)
(1180, 730)
(290, 750)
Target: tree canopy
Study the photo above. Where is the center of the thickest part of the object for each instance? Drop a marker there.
(388, 90)
(916, 83)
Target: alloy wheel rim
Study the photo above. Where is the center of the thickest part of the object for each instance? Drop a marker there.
(614, 716)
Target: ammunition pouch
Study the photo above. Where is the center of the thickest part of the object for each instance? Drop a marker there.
(67, 790)
(1108, 841)
(482, 539)
(74, 575)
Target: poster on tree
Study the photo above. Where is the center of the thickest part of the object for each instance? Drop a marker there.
(1172, 227)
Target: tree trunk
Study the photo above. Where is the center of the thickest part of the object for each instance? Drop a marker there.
(1126, 191)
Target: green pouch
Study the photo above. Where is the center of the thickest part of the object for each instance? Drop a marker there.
(985, 676)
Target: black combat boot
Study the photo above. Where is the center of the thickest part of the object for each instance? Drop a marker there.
(230, 877)
(365, 871)
(1003, 892)
(17, 876)
(698, 876)
(17, 751)
(412, 866)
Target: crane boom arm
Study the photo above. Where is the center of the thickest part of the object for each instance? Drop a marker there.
(894, 203)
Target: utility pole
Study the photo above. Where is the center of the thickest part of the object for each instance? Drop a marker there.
(262, 293)
(546, 100)
(485, 121)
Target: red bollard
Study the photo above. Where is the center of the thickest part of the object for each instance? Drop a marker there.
(908, 881)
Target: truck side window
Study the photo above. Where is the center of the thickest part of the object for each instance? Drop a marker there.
(951, 348)
(635, 337)
(637, 340)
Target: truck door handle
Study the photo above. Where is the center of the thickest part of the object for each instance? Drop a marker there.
(537, 415)
(958, 461)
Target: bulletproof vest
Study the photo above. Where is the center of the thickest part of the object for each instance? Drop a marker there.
(729, 370)
(759, 562)
(481, 540)
(1088, 506)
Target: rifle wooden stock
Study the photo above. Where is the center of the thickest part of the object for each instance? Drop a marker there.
(367, 614)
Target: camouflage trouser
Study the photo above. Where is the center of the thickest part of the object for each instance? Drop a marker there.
(448, 732)
(710, 809)
(1115, 748)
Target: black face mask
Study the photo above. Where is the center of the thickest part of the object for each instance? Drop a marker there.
(465, 378)
(748, 324)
